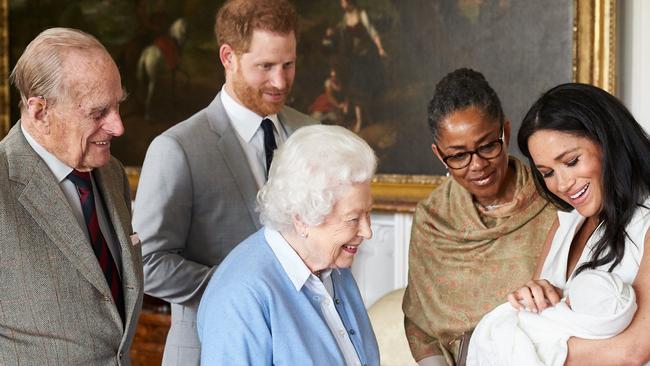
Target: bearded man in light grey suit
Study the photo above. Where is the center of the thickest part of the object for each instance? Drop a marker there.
(196, 196)
(70, 273)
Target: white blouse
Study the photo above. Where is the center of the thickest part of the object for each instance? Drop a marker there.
(555, 265)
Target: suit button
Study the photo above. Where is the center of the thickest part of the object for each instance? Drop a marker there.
(351, 331)
(107, 299)
(337, 302)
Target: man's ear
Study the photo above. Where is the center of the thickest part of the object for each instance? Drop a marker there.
(37, 110)
(228, 57)
(36, 107)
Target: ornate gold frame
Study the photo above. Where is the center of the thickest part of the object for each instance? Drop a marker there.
(594, 62)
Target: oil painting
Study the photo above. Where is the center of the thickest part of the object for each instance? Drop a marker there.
(370, 66)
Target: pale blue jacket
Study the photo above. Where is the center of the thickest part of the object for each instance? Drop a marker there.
(251, 314)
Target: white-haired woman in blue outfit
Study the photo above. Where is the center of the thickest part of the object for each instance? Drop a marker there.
(285, 295)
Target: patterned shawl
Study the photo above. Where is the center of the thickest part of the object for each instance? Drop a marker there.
(459, 268)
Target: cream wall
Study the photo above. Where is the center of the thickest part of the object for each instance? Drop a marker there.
(381, 264)
(634, 58)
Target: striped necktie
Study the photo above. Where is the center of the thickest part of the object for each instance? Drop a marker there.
(84, 186)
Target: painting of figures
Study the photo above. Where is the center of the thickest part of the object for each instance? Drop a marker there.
(368, 65)
(372, 66)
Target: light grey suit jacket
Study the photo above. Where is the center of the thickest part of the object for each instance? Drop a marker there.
(55, 305)
(195, 202)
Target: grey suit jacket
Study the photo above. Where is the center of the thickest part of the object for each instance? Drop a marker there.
(55, 305)
(195, 202)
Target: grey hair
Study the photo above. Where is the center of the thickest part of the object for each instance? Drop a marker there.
(38, 72)
(309, 172)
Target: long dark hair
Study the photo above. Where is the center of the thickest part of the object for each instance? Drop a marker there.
(587, 111)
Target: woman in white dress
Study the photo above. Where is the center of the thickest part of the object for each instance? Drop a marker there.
(592, 160)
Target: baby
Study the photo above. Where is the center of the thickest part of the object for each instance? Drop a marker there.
(601, 306)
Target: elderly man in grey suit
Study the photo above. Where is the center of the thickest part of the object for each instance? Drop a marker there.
(196, 196)
(70, 272)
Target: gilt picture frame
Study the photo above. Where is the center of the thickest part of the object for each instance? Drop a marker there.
(408, 170)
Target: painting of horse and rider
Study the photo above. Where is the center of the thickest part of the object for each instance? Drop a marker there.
(165, 51)
(368, 65)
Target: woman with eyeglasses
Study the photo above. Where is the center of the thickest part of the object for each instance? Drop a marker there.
(479, 234)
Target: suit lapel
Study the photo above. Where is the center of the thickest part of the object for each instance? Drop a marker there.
(119, 216)
(43, 199)
(229, 146)
(292, 120)
(289, 124)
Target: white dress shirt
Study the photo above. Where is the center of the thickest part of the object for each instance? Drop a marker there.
(60, 172)
(301, 276)
(249, 132)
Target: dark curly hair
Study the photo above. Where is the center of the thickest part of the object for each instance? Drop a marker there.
(458, 90)
(586, 111)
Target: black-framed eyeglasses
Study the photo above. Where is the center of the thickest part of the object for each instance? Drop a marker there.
(487, 151)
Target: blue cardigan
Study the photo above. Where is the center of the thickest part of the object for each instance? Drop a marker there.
(251, 314)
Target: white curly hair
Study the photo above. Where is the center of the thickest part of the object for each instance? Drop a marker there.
(309, 172)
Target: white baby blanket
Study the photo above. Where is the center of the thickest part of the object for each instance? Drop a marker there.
(602, 307)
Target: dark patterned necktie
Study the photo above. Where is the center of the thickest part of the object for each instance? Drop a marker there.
(84, 186)
(269, 143)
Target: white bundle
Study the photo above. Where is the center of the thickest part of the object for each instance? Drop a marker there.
(601, 307)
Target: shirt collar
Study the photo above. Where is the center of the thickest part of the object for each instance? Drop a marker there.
(290, 261)
(58, 168)
(245, 121)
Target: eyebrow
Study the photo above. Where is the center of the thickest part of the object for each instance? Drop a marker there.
(559, 157)
(480, 141)
(358, 211)
(97, 109)
(102, 107)
(562, 155)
